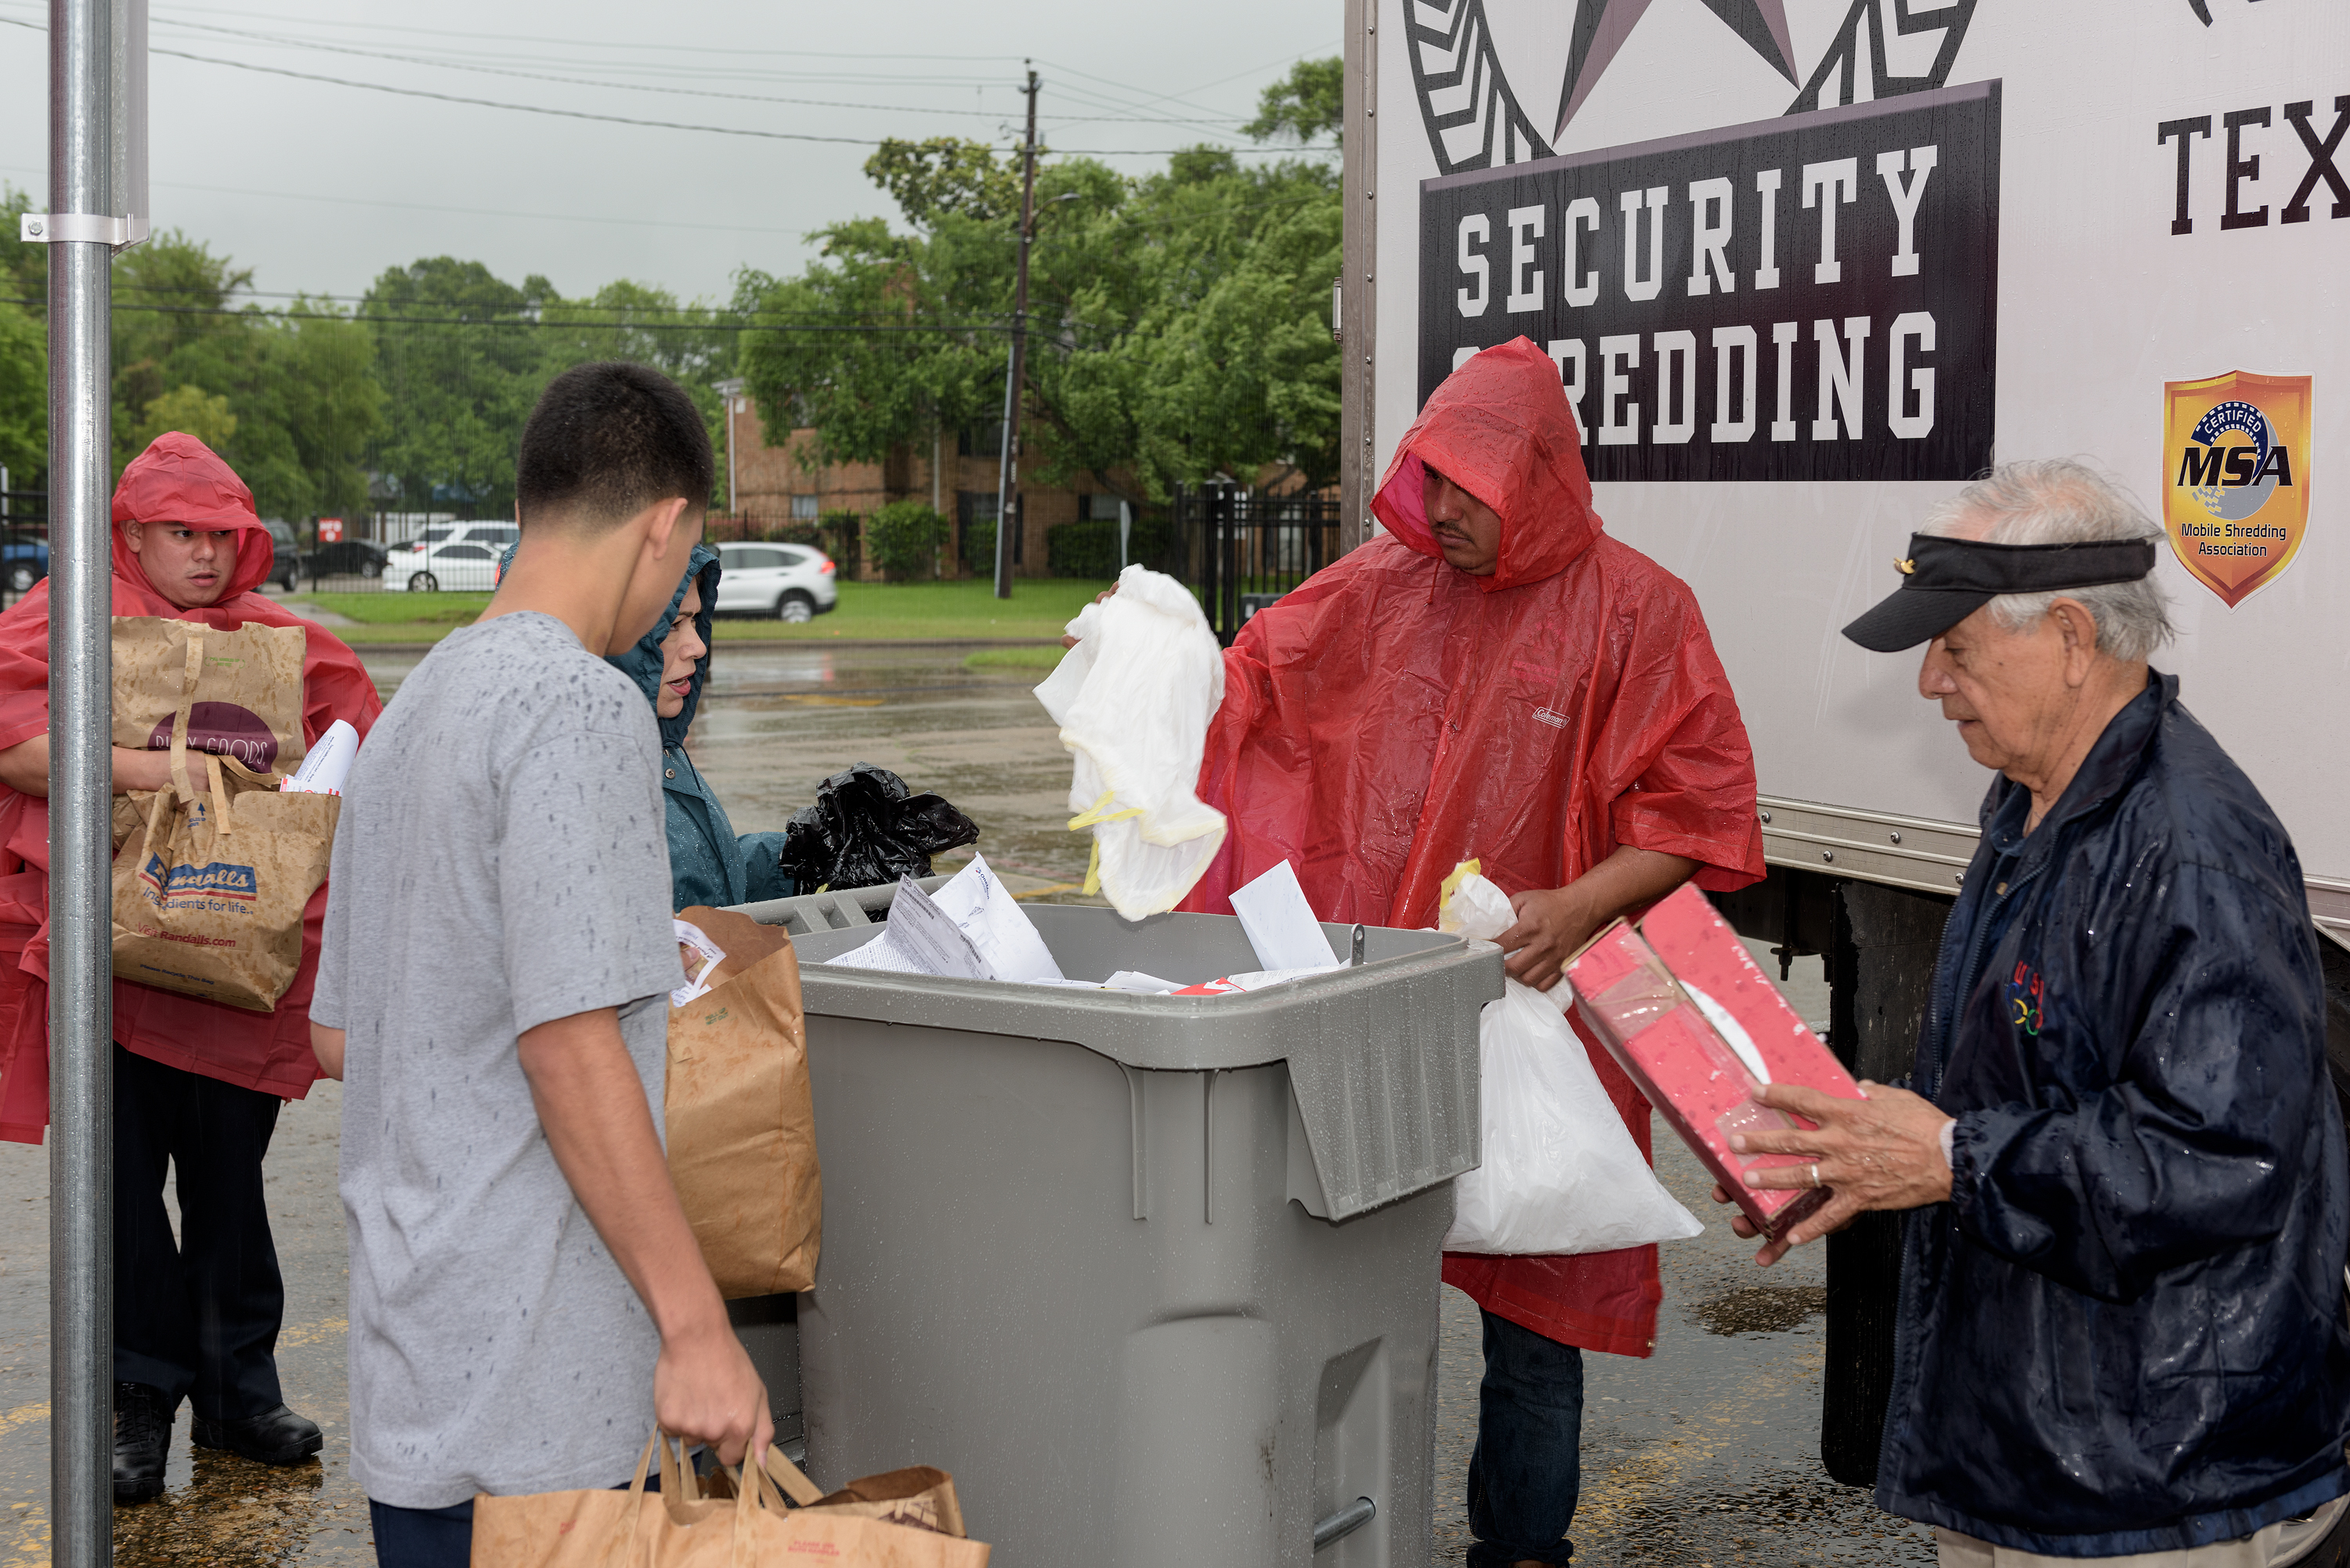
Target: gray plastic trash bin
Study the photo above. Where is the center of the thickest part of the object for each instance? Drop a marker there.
(1155, 1278)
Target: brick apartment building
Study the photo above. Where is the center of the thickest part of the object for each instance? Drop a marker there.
(955, 474)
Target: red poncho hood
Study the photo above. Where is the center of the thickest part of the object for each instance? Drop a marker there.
(1394, 716)
(177, 479)
(1500, 428)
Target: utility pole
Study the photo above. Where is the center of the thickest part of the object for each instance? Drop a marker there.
(732, 390)
(1007, 471)
(98, 205)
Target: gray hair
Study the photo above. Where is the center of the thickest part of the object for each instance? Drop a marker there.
(2059, 501)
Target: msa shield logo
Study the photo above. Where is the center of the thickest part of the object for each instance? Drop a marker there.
(2235, 497)
(179, 884)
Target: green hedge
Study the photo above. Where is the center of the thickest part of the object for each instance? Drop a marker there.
(904, 538)
(1090, 549)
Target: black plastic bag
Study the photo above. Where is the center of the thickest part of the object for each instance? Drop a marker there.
(866, 829)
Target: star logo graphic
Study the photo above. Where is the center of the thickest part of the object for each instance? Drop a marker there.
(1602, 26)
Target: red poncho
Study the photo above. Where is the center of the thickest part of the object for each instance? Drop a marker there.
(1394, 716)
(176, 480)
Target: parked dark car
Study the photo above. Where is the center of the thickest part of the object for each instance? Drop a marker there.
(285, 553)
(24, 561)
(344, 558)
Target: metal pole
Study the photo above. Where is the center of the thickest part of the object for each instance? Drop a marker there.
(1359, 468)
(732, 390)
(81, 785)
(1007, 474)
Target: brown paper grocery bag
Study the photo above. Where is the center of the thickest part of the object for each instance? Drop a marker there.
(679, 1527)
(741, 1120)
(210, 887)
(920, 1497)
(242, 688)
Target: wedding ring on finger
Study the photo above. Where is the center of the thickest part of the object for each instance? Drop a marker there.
(1815, 1173)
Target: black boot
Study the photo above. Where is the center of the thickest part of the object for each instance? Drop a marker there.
(142, 1435)
(275, 1437)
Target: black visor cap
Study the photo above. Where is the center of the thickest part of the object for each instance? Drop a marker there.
(1946, 580)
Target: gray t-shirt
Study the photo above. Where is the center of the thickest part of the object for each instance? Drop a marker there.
(501, 862)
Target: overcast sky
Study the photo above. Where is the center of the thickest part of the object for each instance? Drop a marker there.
(318, 187)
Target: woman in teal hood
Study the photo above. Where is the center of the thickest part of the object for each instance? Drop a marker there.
(709, 863)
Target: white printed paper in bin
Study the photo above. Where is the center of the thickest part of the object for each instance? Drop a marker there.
(1280, 923)
(971, 929)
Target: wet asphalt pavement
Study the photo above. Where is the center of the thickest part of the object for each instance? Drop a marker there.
(1704, 1455)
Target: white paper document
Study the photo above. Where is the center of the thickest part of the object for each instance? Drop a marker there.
(971, 929)
(697, 955)
(1281, 925)
(998, 926)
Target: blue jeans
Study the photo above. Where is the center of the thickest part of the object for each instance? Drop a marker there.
(435, 1537)
(1527, 1468)
(422, 1537)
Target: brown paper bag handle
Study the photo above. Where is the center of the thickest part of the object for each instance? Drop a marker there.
(157, 805)
(678, 1482)
(189, 674)
(793, 1480)
(220, 812)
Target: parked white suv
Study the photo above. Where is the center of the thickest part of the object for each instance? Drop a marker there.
(789, 582)
(493, 537)
(458, 566)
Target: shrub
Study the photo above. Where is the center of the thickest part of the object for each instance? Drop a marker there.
(979, 546)
(904, 537)
(1090, 549)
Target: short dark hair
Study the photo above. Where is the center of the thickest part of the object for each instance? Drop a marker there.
(609, 440)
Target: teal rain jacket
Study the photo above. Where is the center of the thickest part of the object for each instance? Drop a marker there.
(709, 863)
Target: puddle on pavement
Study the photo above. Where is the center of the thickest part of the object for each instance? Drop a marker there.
(775, 722)
(1759, 1309)
(217, 1508)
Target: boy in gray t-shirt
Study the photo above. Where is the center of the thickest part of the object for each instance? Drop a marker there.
(526, 1296)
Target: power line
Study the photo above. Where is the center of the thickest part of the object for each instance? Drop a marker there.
(647, 86)
(610, 119)
(594, 42)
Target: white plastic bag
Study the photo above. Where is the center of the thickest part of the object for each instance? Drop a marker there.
(1133, 700)
(1561, 1172)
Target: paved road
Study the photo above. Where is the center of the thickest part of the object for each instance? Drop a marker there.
(1704, 1455)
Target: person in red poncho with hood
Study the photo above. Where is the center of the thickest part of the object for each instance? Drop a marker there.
(196, 1083)
(1497, 678)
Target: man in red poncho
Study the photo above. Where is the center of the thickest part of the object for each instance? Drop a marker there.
(196, 1083)
(1494, 678)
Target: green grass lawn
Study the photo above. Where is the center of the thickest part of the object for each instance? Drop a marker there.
(869, 612)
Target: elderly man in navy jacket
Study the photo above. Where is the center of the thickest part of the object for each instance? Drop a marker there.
(2121, 1327)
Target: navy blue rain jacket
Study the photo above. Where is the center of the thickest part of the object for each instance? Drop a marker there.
(2124, 1331)
(708, 862)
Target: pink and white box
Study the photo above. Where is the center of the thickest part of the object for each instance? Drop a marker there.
(1693, 1021)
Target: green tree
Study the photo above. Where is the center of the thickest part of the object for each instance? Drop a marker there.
(287, 397)
(24, 348)
(1308, 102)
(461, 361)
(192, 410)
(947, 174)
(1178, 325)
(690, 344)
(23, 398)
(462, 356)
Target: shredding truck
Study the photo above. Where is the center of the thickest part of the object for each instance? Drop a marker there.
(1808, 266)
